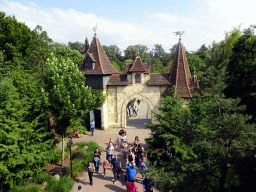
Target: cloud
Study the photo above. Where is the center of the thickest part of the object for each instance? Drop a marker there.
(203, 26)
(33, 4)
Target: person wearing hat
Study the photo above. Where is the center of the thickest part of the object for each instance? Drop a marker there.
(148, 184)
(131, 186)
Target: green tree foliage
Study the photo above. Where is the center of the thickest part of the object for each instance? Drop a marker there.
(201, 52)
(64, 94)
(25, 145)
(195, 63)
(113, 53)
(65, 52)
(76, 45)
(203, 139)
(241, 78)
(158, 51)
(156, 66)
(132, 51)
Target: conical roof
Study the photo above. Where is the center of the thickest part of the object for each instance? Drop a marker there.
(137, 66)
(102, 64)
(180, 75)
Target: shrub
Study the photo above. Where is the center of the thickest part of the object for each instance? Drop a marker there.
(65, 184)
(78, 155)
(34, 188)
(61, 171)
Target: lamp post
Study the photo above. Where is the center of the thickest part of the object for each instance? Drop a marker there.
(70, 142)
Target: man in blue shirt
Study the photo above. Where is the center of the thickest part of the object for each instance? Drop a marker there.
(131, 172)
(116, 164)
(92, 126)
(148, 184)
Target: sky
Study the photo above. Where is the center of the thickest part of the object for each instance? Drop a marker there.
(130, 22)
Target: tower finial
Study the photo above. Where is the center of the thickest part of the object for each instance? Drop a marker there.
(179, 33)
(138, 53)
(94, 29)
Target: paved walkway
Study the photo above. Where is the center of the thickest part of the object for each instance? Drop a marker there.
(105, 184)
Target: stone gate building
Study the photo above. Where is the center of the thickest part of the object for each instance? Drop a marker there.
(136, 82)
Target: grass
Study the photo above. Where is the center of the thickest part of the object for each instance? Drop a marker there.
(80, 165)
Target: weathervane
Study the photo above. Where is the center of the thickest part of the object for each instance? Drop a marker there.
(94, 29)
(179, 33)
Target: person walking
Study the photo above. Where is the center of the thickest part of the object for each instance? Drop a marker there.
(136, 110)
(115, 166)
(96, 159)
(133, 108)
(92, 126)
(126, 150)
(130, 109)
(131, 186)
(148, 184)
(128, 112)
(131, 172)
(90, 172)
(110, 151)
(143, 166)
(105, 164)
(117, 143)
(122, 131)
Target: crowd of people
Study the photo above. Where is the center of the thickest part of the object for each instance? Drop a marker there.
(135, 157)
(134, 109)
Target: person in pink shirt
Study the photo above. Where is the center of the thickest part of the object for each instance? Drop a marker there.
(131, 186)
(105, 163)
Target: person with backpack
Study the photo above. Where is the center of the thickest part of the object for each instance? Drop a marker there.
(90, 172)
(131, 186)
(96, 159)
(122, 131)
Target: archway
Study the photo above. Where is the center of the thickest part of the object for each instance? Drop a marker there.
(144, 114)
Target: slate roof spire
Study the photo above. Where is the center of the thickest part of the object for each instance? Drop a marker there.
(86, 46)
(102, 64)
(180, 75)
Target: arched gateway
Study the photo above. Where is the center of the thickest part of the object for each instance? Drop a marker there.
(136, 82)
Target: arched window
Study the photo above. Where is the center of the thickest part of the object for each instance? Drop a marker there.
(137, 78)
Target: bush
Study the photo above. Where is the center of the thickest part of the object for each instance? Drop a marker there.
(76, 126)
(65, 184)
(34, 188)
(61, 171)
(78, 155)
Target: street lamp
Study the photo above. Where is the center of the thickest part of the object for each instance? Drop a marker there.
(70, 142)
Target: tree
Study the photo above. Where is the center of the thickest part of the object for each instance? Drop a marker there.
(75, 56)
(195, 63)
(76, 45)
(132, 51)
(241, 78)
(111, 53)
(158, 51)
(201, 52)
(204, 138)
(25, 146)
(156, 66)
(64, 94)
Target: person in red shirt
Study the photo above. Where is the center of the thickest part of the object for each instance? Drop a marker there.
(131, 186)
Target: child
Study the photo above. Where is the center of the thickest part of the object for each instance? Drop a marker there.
(117, 143)
(105, 164)
(79, 189)
(125, 146)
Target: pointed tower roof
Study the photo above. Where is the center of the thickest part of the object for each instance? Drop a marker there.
(137, 66)
(180, 75)
(102, 64)
(86, 46)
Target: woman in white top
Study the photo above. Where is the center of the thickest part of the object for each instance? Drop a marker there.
(110, 151)
(123, 138)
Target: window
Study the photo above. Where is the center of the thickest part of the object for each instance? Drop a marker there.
(137, 78)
